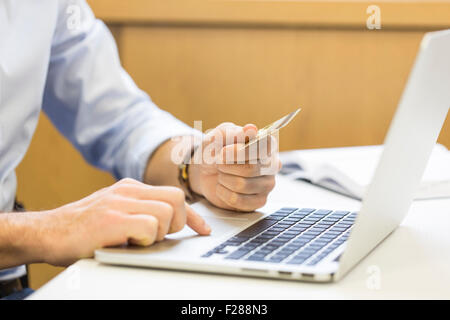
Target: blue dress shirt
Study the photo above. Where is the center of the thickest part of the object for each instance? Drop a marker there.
(54, 54)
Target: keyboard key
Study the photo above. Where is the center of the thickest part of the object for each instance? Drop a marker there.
(232, 243)
(312, 233)
(270, 234)
(340, 213)
(344, 224)
(318, 228)
(280, 214)
(307, 210)
(276, 259)
(221, 251)
(289, 236)
(330, 219)
(298, 215)
(280, 238)
(315, 216)
(297, 261)
(250, 246)
(208, 254)
(275, 217)
(325, 223)
(338, 229)
(304, 224)
(257, 228)
(284, 225)
(300, 241)
(298, 228)
(237, 254)
(322, 212)
(322, 241)
(287, 210)
(239, 239)
(259, 240)
(309, 220)
(255, 258)
(333, 232)
(305, 253)
(283, 255)
(315, 246)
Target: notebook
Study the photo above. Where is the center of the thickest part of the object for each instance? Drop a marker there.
(349, 170)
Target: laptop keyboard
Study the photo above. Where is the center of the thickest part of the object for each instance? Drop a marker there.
(290, 235)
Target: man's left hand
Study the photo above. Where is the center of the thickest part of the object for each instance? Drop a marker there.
(231, 176)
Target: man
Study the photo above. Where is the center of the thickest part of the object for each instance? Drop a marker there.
(71, 68)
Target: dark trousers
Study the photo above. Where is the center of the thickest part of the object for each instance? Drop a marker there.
(19, 287)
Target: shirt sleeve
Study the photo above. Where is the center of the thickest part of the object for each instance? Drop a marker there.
(95, 104)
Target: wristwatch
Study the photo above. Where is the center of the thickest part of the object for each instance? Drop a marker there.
(183, 175)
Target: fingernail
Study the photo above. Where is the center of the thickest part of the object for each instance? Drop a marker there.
(207, 228)
(250, 126)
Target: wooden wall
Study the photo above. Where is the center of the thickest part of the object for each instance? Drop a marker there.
(249, 61)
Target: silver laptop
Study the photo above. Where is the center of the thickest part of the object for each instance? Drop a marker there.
(317, 244)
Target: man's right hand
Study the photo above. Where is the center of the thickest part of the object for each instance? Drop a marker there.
(126, 211)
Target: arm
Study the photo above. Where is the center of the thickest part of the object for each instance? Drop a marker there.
(20, 241)
(94, 103)
(128, 211)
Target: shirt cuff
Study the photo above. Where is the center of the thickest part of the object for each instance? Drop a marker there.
(149, 137)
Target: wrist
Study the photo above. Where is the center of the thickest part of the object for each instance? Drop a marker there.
(25, 237)
(188, 172)
(194, 172)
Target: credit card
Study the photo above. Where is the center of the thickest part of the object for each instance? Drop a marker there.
(273, 127)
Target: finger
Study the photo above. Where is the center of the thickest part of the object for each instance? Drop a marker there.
(171, 195)
(140, 229)
(224, 131)
(248, 170)
(162, 211)
(254, 185)
(237, 154)
(263, 149)
(196, 222)
(238, 201)
(250, 131)
(244, 170)
(229, 133)
(117, 185)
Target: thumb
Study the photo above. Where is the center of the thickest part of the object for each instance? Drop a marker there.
(196, 222)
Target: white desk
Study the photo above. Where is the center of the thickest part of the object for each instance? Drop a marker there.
(414, 262)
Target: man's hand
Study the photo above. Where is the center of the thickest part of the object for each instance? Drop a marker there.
(230, 176)
(128, 211)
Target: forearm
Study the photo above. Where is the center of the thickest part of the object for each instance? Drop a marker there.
(21, 238)
(161, 170)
